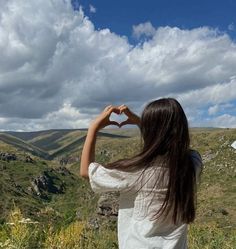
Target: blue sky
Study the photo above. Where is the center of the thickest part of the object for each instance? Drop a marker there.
(120, 16)
(61, 63)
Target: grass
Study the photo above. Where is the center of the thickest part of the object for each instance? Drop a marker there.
(210, 236)
(67, 218)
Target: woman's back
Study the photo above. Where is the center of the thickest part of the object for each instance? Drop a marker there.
(142, 193)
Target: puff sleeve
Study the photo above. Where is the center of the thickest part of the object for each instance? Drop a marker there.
(107, 180)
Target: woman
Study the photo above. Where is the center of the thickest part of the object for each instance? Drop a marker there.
(157, 186)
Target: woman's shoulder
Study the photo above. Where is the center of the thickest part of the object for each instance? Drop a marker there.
(195, 155)
(197, 160)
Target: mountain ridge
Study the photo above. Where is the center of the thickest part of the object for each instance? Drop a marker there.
(48, 144)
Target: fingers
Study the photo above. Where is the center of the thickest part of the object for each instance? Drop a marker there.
(114, 109)
(117, 109)
(114, 123)
(123, 109)
(123, 106)
(107, 108)
(126, 122)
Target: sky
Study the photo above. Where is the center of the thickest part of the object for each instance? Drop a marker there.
(63, 61)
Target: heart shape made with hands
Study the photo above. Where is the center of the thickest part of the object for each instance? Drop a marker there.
(119, 118)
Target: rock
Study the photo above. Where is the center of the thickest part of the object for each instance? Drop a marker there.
(45, 183)
(63, 161)
(69, 160)
(5, 156)
(208, 156)
(29, 159)
(94, 223)
(73, 159)
(108, 204)
(35, 188)
(223, 211)
(63, 171)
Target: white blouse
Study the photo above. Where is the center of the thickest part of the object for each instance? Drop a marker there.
(138, 202)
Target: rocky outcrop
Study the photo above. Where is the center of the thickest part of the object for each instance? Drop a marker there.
(6, 156)
(68, 160)
(208, 156)
(63, 161)
(29, 159)
(63, 171)
(45, 183)
(94, 223)
(108, 204)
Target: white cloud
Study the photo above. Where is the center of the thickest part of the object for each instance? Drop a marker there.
(145, 29)
(55, 66)
(212, 94)
(223, 121)
(3, 120)
(223, 108)
(92, 9)
(213, 109)
(65, 117)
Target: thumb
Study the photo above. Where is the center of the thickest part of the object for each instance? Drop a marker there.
(125, 122)
(114, 123)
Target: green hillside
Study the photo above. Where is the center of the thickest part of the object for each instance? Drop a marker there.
(17, 175)
(23, 145)
(67, 210)
(51, 143)
(17, 189)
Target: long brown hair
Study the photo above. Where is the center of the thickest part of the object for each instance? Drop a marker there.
(165, 133)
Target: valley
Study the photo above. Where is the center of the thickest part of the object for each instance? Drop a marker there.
(39, 180)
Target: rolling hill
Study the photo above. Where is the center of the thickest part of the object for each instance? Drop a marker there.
(63, 198)
(50, 144)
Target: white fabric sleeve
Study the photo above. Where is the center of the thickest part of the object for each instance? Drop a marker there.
(106, 180)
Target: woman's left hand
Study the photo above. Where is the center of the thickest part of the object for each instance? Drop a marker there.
(103, 119)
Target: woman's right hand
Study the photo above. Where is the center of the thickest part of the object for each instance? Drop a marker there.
(132, 117)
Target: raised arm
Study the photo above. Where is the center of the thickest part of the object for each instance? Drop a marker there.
(88, 153)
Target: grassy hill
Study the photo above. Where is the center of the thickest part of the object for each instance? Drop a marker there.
(71, 215)
(50, 143)
(43, 146)
(17, 190)
(23, 145)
